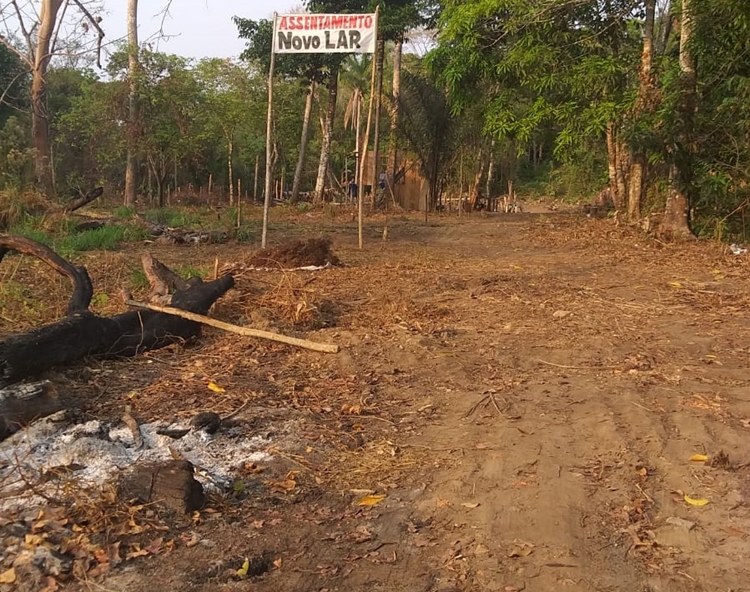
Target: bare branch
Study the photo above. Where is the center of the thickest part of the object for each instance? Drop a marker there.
(15, 50)
(25, 31)
(53, 46)
(10, 85)
(95, 23)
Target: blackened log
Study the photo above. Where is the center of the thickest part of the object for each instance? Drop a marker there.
(79, 277)
(85, 334)
(79, 202)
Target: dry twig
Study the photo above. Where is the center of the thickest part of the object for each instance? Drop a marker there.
(304, 343)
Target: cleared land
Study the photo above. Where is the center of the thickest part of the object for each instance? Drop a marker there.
(526, 390)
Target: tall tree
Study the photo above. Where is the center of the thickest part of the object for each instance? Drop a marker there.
(309, 70)
(225, 104)
(636, 181)
(675, 224)
(333, 65)
(131, 166)
(40, 28)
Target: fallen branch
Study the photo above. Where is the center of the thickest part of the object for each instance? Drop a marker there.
(82, 333)
(247, 331)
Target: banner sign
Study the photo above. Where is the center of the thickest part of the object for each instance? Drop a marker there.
(325, 33)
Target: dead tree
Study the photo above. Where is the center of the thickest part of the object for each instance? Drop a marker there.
(82, 333)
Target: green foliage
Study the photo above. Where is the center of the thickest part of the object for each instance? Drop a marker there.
(188, 271)
(138, 279)
(16, 157)
(14, 77)
(173, 217)
(106, 238)
(124, 212)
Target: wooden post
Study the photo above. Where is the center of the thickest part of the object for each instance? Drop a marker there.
(239, 202)
(269, 128)
(460, 184)
(210, 183)
(363, 151)
(255, 181)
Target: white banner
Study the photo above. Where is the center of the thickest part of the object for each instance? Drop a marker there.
(325, 33)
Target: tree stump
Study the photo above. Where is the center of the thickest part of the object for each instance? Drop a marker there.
(170, 483)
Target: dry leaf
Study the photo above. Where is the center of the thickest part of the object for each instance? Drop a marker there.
(442, 503)
(242, 572)
(286, 485)
(8, 577)
(470, 505)
(696, 502)
(699, 458)
(675, 284)
(371, 500)
(216, 388)
(277, 563)
(521, 552)
(136, 552)
(51, 586)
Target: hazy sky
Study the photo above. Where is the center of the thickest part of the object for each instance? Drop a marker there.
(196, 28)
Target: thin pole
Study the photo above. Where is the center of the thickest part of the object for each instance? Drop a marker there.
(269, 159)
(363, 157)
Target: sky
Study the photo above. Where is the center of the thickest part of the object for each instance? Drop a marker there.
(194, 28)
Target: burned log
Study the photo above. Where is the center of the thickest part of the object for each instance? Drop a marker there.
(83, 200)
(83, 333)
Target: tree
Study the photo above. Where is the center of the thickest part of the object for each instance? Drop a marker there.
(169, 100)
(131, 165)
(675, 223)
(309, 70)
(226, 100)
(13, 79)
(40, 26)
(333, 64)
(428, 128)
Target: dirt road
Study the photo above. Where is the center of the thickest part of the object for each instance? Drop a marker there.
(526, 391)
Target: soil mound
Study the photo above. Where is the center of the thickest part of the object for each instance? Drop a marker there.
(314, 251)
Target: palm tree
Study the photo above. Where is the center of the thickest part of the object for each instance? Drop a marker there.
(355, 77)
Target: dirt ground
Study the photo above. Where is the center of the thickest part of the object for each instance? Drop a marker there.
(526, 391)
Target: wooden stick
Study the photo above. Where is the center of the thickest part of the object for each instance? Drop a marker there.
(247, 331)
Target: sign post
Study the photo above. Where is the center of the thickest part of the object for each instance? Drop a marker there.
(316, 33)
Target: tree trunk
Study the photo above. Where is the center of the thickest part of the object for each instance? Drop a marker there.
(675, 223)
(255, 178)
(395, 112)
(474, 191)
(612, 166)
(378, 90)
(230, 150)
(325, 149)
(491, 170)
(623, 164)
(303, 143)
(39, 112)
(646, 83)
(131, 166)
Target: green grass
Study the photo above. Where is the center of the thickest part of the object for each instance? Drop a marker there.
(124, 212)
(174, 218)
(138, 279)
(106, 238)
(66, 243)
(188, 271)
